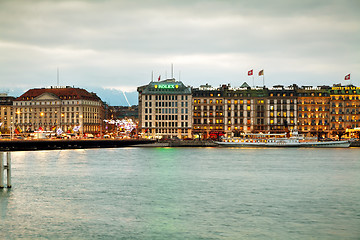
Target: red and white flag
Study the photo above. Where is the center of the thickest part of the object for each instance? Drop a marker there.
(250, 73)
(347, 77)
(159, 77)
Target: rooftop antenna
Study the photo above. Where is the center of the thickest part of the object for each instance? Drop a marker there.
(152, 76)
(58, 77)
(172, 71)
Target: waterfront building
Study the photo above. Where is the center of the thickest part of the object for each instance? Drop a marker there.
(245, 109)
(58, 107)
(226, 111)
(165, 110)
(281, 105)
(313, 110)
(344, 109)
(208, 112)
(6, 109)
(232, 111)
(122, 112)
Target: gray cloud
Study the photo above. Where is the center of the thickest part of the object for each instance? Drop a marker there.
(117, 44)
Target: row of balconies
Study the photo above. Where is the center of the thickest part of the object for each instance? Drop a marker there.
(344, 120)
(344, 98)
(313, 103)
(313, 117)
(313, 124)
(346, 106)
(46, 124)
(347, 112)
(314, 110)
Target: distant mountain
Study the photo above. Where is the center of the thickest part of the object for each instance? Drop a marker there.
(115, 97)
(112, 97)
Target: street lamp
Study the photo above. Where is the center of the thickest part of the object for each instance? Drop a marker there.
(81, 125)
(61, 119)
(11, 129)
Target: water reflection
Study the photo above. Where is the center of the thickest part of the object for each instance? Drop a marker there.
(173, 193)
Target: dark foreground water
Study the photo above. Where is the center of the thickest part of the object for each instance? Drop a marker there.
(177, 193)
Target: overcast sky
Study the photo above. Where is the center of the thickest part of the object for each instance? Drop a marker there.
(117, 44)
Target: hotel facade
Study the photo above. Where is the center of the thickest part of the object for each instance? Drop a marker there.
(58, 107)
(225, 111)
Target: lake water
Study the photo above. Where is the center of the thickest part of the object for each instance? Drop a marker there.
(183, 193)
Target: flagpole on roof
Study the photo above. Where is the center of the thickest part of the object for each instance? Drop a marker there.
(261, 73)
(347, 77)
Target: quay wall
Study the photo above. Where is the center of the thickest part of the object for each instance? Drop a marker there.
(33, 145)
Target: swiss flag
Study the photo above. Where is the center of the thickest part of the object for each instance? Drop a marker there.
(347, 77)
(250, 73)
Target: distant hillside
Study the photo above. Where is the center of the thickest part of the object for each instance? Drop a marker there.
(111, 96)
(115, 97)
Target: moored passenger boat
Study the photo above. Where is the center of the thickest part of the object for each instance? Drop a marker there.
(279, 140)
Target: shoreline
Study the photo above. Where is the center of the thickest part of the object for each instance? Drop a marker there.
(35, 145)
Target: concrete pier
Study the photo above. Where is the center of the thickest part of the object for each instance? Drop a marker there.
(6, 168)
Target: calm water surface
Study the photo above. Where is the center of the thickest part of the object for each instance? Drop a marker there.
(177, 193)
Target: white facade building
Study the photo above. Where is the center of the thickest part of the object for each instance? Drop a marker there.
(165, 110)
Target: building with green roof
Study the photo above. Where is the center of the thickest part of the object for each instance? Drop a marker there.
(165, 110)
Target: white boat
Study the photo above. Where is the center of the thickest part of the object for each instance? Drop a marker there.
(279, 140)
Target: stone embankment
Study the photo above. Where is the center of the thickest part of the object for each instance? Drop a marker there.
(180, 143)
(29, 145)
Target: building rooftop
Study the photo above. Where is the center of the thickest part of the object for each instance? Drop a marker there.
(168, 86)
(64, 93)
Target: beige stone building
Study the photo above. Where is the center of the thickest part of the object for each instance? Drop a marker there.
(6, 110)
(58, 107)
